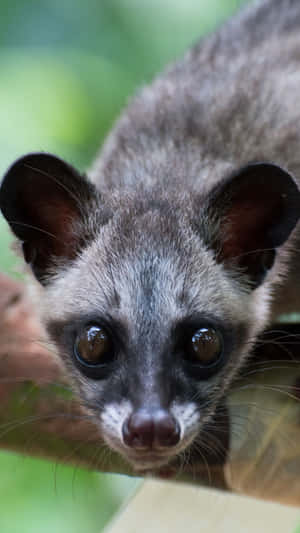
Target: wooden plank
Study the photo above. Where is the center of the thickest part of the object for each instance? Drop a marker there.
(160, 507)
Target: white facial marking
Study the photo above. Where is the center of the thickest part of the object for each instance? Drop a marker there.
(188, 417)
(112, 419)
(114, 415)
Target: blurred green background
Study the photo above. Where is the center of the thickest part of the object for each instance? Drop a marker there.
(67, 67)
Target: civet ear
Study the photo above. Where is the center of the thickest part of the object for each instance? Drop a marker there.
(255, 210)
(44, 201)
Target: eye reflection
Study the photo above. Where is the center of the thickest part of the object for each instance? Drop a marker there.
(93, 345)
(206, 346)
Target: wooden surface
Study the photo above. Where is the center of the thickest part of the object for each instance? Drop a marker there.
(170, 508)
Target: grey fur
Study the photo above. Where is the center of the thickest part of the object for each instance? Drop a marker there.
(231, 100)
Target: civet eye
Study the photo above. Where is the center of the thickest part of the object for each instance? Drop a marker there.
(93, 346)
(205, 347)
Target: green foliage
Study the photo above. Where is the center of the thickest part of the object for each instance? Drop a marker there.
(42, 496)
(67, 68)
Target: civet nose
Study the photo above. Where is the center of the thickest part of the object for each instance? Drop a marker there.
(146, 429)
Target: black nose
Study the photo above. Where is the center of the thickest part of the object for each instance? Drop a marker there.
(146, 429)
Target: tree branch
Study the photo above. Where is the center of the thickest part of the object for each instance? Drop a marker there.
(39, 415)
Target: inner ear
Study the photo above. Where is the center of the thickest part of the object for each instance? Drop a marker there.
(44, 200)
(256, 210)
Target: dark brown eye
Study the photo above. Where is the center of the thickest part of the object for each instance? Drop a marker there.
(93, 346)
(206, 346)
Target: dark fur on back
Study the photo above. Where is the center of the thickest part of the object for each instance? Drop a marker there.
(231, 99)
